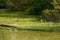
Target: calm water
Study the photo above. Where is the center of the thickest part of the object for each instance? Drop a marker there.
(14, 34)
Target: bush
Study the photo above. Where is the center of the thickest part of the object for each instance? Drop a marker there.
(51, 15)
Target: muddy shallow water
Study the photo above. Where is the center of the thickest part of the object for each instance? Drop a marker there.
(14, 34)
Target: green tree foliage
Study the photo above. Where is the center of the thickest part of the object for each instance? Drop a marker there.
(26, 5)
(48, 9)
(21, 5)
(40, 5)
(52, 15)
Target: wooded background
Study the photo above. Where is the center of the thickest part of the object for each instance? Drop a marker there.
(47, 9)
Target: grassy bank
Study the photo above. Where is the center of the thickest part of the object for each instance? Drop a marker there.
(26, 27)
(21, 20)
(25, 22)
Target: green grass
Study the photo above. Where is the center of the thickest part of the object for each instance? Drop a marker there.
(25, 22)
(20, 19)
(5, 13)
(47, 30)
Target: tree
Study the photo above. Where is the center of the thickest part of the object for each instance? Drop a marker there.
(28, 5)
(48, 9)
(41, 5)
(53, 15)
(20, 5)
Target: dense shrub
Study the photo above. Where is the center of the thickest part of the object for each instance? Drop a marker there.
(48, 9)
(51, 15)
(25, 5)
